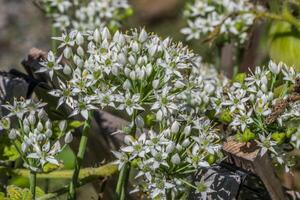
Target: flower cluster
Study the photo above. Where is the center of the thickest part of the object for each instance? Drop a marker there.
(259, 107)
(231, 19)
(32, 136)
(160, 84)
(71, 15)
(130, 72)
(167, 160)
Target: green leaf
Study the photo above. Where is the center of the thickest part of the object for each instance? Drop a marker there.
(240, 77)
(285, 44)
(75, 124)
(278, 137)
(39, 192)
(246, 136)
(11, 153)
(16, 193)
(226, 116)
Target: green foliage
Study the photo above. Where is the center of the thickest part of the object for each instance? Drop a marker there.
(226, 117)
(278, 137)
(285, 44)
(10, 152)
(7, 150)
(246, 136)
(240, 77)
(16, 193)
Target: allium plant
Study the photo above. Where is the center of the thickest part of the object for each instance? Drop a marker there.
(166, 160)
(86, 15)
(262, 107)
(230, 19)
(32, 134)
(158, 84)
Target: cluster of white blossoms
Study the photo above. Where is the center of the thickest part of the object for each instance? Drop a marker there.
(206, 16)
(32, 133)
(166, 160)
(140, 74)
(131, 72)
(250, 102)
(72, 15)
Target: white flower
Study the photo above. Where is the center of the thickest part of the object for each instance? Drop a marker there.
(203, 16)
(175, 127)
(275, 68)
(296, 139)
(266, 144)
(67, 15)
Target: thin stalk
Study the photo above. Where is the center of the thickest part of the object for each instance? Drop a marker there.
(125, 171)
(54, 33)
(85, 173)
(32, 181)
(79, 158)
(120, 189)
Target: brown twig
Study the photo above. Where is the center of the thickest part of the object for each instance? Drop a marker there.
(282, 104)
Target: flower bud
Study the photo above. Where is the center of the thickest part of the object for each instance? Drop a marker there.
(132, 60)
(80, 51)
(175, 159)
(140, 74)
(31, 119)
(79, 39)
(36, 132)
(25, 122)
(179, 84)
(48, 125)
(159, 115)
(132, 75)
(127, 71)
(67, 70)
(152, 50)
(13, 134)
(143, 36)
(175, 127)
(40, 127)
(170, 147)
(105, 34)
(24, 147)
(68, 52)
(96, 36)
(135, 47)
(186, 143)
(42, 115)
(68, 138)
(187, 131)
(126, 85)
(155, 84)
(274, 68)
(40, 138)
(62, 125)
(139, 121)
(115, 70)
(48, 133)
(26, 129)
(122, 59)
(149, 69)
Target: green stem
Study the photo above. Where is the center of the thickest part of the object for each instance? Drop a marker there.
(54, 33)
(120, 190)
(32, 181)
(79, 158)
(85, 173)
(125, 171)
